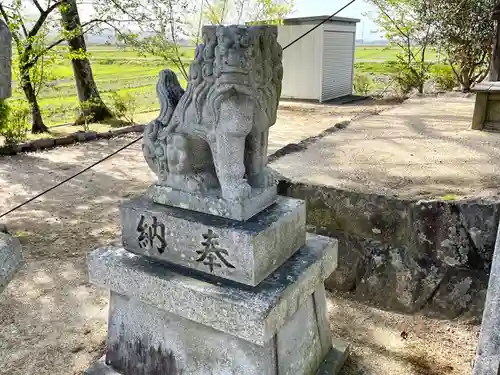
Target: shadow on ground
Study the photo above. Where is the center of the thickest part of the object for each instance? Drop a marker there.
(389, 343)
(52, 321)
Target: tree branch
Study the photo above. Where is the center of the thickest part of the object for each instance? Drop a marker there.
(382, 9)
(223, 11)
(200, 20)
(214, 15)
(172, 28)
(37, 4)
(43, 17)
(21, 22)
(59, 41)
(120, 8)
(240, 10)
(459, 79)
(4, 14)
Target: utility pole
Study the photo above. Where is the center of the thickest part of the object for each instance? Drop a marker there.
(363, 32)
(495, 58)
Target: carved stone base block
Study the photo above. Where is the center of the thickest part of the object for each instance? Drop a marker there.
(11, 258)
(213, 204)
(166, 322)
(487, 107)
(246, 252)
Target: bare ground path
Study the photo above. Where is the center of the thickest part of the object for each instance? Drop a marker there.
(52, 321)
(423, 148)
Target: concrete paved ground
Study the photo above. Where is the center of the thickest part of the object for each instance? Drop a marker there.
(422, 148)
(297, 121)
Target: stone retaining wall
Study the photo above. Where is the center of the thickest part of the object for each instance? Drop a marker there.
(406, 255)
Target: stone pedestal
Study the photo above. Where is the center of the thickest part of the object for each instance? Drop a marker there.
(168, 322)
(217, 275)
(487, 108)
(172, 315)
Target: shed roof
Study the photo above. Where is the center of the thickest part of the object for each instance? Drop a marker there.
(318, 19)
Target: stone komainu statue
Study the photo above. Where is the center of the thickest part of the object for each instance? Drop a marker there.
(213, 137)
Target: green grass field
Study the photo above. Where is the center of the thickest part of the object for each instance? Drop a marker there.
(123, 70)
(115, 70)
(378, 53)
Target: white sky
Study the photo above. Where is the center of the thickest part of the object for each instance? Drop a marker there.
(327, 7)
(366, 28)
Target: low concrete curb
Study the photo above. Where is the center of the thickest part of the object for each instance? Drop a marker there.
(77, 137)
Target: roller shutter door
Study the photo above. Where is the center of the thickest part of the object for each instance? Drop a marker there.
(338, 64)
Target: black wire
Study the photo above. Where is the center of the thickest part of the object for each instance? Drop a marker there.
(319, 24)
(138, 139)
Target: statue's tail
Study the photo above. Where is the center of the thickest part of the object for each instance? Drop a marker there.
(169, 93)
(149, 145)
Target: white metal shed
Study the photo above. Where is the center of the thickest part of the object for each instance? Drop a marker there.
(321, 65)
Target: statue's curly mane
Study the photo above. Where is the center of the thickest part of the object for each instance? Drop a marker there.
(204, 87)
(200, 81)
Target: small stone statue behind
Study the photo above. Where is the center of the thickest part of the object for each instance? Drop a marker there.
(211, 141)
(5, 61)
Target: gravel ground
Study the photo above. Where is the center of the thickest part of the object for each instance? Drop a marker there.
(386, 343)
(52, 321)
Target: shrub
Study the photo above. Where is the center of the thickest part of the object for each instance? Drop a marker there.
(363, 83)
(124, 105)
(4, 113)
(444, 77)
(410, 75)
(85, 113)
(406, 81)
(14, 122)
(404, 84)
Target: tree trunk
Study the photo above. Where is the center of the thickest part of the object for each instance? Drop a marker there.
(92, 108)
(466, 79)
(37, 125)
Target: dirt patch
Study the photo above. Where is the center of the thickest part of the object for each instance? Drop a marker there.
(390, 343)
(52, 321)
